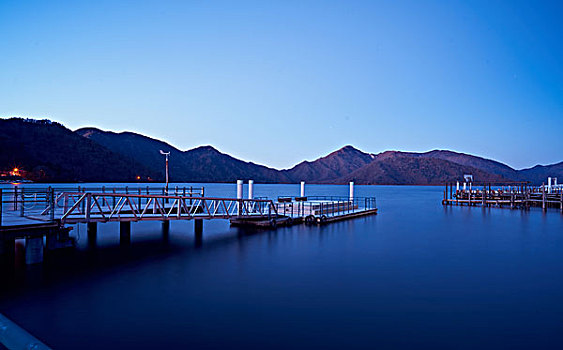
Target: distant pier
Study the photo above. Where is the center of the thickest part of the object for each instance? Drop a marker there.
(513, 195)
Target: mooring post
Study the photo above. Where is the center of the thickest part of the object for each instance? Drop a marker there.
(444, 196)
(351, 190)
(250, 189)
(239, 197)
(302, 193)
(125, 232)
(543, 196)
(33, 250)
(239, 189)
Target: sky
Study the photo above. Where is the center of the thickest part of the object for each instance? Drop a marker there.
(279, 82)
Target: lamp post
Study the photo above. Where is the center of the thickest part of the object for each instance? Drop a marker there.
(166, 154)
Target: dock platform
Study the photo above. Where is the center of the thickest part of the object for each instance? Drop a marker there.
(317, 210)
(513, 195)
(47, 215)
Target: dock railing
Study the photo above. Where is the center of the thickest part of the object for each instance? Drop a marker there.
(77, 207)
(42, 204)
(327, 206)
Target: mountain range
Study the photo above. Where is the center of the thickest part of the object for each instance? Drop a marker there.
(50, 152)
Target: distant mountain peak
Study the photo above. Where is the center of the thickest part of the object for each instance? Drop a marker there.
(206, 148)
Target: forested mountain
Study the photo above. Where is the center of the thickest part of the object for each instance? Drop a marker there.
(48, 151)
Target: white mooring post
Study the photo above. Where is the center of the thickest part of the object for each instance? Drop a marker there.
(239, 189)
(464, 186)
(302, 189)
(549, 185)
(351, 190)
(250, 189)
(457, 187)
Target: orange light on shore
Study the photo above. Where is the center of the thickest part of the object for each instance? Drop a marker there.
(15, 172)
(138, 177)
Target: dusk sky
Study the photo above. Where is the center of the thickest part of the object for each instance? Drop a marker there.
(279, 82)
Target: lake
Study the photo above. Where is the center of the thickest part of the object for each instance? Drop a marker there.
(417, 275)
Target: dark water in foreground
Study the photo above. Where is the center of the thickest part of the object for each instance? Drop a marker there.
(418, 275)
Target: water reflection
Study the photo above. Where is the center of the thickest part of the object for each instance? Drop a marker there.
(417, 273)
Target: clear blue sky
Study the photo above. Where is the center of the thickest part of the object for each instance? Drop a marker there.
(276, 83)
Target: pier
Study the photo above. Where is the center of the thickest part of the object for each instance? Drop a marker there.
(44, 217)
(513, 195)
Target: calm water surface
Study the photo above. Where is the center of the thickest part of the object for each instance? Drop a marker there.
(417, 275)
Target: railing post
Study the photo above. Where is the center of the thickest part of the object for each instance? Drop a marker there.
(83, 203)
(88, 206)
(104, 197)
(52, 204)
(22, 203)
(15, 198)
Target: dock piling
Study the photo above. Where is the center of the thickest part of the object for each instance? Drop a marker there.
(92, 233)
(125, 232)
(33, 250)
(198, 227)
(7, 251)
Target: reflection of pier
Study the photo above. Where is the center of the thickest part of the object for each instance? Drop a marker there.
(508, 195)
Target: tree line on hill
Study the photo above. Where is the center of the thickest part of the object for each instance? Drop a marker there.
(50, 152)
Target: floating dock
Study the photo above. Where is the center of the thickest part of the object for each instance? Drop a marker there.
(312, 210)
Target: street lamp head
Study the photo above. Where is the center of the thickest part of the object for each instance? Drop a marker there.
(164, 153)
